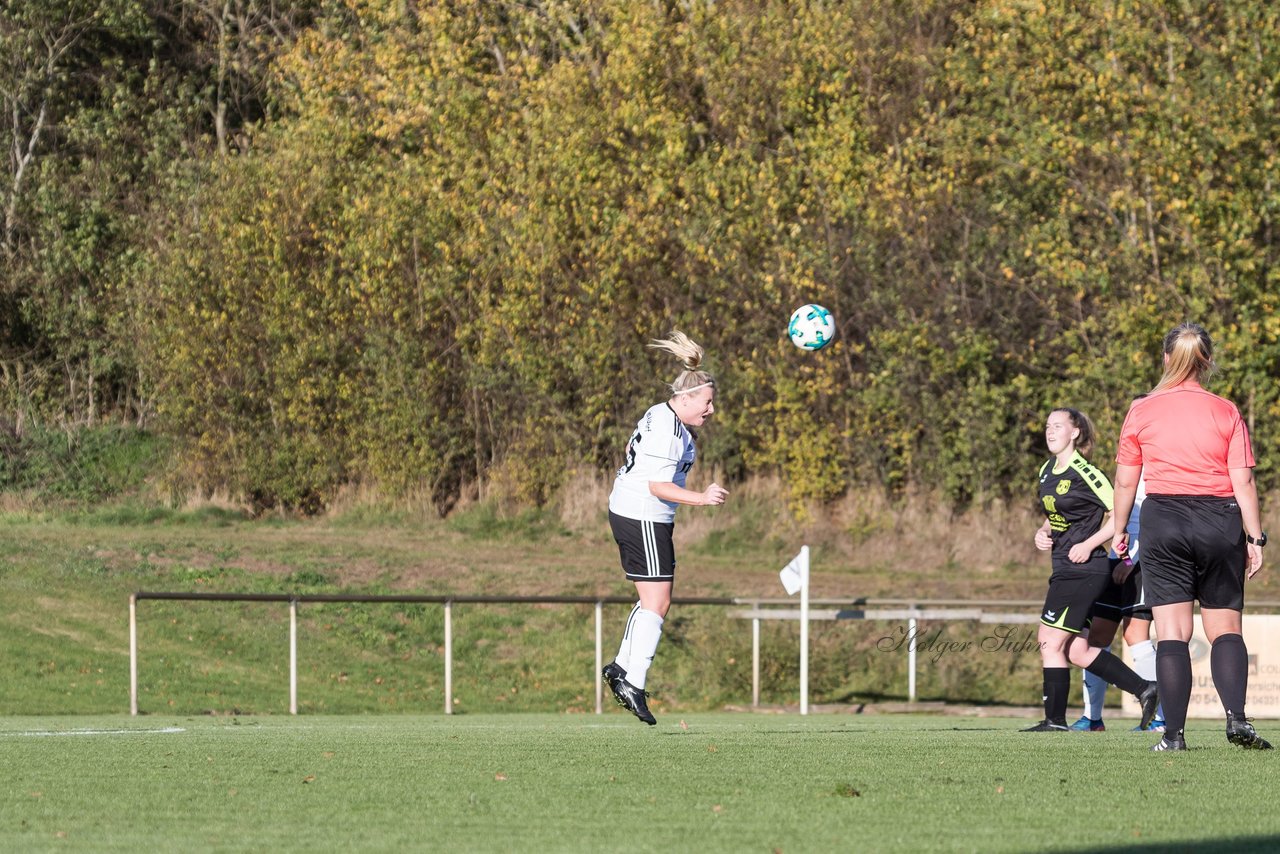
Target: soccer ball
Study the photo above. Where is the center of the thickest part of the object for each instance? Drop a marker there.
(812, 327)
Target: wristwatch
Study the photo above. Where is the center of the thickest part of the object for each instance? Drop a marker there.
(1260, 542)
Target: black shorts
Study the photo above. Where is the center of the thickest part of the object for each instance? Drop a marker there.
(645, 548)
(1119, 601)
(1110, 604)
(1133, 600)
(1072, 592)
(1193, 550)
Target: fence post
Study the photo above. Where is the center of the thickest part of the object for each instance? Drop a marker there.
(755, 658)
(599, 683)
(911, 659)
(448, 657)
(133, 654)
(293, 656)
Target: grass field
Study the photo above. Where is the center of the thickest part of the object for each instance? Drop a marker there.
(522, 765)
(65, 581)
(700, 782)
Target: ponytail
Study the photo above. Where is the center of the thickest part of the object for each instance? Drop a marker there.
(690, 355)
(1189, 355)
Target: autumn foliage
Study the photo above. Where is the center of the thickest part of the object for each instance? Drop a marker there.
(423, 244)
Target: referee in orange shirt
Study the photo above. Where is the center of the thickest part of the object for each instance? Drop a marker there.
(1201, 528)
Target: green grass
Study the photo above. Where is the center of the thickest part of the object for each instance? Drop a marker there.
(488, 522)
(413, 778)
(702, 782)
(86, 465)
(65, 581)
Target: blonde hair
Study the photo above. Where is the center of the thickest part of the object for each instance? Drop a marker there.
(690, 355)
(1190, 356)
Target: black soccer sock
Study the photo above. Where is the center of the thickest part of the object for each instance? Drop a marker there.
(1057, 685)
(1115, 672)
(1229, 663)
(1173, 672)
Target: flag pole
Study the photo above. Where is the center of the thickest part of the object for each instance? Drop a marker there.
(795, 579)
(804, 630)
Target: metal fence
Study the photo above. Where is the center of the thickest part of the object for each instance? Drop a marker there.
(447, 602)
(755, 609)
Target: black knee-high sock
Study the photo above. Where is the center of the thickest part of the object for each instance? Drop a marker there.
(1229, 663)
(1173, 672)
(1115, 672)
(1057, 685)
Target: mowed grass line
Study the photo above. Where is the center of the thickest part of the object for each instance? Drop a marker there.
(706, 782)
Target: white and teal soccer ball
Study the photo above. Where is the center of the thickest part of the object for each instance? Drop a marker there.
(812, 327)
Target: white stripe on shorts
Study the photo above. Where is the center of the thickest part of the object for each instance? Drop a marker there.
(650, 548)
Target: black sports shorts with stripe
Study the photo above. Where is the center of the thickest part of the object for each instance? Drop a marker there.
(645, 548)
(1193, 550)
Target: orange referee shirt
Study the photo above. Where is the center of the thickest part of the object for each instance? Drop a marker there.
(1186, 440)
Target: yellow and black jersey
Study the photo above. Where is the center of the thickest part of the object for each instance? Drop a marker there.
(1076, 499)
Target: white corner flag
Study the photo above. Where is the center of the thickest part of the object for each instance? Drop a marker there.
(795, 577)
(791, 575)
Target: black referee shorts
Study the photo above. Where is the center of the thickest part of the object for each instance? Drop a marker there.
(645, 548)
(1193, 550)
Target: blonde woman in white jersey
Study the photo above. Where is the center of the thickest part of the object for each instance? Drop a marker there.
(642, 507)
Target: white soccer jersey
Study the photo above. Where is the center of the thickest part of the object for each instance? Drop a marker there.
(660, 449)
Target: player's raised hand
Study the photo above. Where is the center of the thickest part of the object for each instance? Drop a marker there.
(715, 494)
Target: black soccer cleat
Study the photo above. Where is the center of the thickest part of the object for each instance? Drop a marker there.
(632, 699)
(1241, 732)
(1149, 699)
(1048, 726)
(612, 672)
(1170, 741)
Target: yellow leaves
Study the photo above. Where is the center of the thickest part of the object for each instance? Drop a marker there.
(418, 247)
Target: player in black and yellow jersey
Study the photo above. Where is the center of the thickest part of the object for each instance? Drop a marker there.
(1076, 499)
